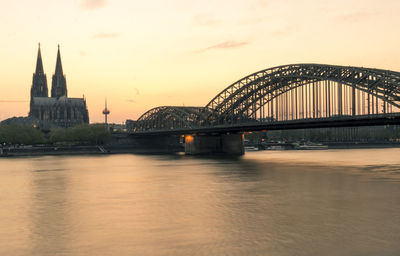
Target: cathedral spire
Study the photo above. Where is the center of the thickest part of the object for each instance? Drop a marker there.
(39, 80)
(59, 69)
(39, 62)
(59, 84)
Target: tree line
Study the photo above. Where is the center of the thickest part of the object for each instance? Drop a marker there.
(95, 134)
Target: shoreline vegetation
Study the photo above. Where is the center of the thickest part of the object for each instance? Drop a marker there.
(20, 139)
(19, 134)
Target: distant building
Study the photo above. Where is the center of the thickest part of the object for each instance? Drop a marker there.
(57, 109)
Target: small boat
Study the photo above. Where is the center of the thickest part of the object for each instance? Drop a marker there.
(312, 146)
(251, 148)
(276, 147)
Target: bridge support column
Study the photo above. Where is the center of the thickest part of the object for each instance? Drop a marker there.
(230, 144)
(145, 144)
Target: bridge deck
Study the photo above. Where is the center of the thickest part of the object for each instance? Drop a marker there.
(344, 121)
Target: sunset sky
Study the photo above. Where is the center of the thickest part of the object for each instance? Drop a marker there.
(143, 54)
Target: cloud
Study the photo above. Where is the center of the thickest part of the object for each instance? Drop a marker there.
(355, 17)
(206, 20)
(225, 45)
(92, 4)
(137, 91)
(106, 35)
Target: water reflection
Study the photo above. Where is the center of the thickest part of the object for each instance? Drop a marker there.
(265, 203)
(50, 225)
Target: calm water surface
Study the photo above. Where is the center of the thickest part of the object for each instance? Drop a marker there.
(333, 202)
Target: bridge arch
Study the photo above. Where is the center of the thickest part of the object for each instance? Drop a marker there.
(172, 117)
(348, 89)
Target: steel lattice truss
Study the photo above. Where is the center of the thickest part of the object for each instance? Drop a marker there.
(172, 117)
(246, 99)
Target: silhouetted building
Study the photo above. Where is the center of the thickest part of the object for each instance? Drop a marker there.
(59, 109)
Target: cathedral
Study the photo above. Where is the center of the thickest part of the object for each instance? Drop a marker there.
(57, 109)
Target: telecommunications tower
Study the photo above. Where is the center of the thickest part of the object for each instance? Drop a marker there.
(106, 112)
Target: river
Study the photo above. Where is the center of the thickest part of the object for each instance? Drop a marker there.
(328, 202)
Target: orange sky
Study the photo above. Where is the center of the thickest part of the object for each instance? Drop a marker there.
(142, 54)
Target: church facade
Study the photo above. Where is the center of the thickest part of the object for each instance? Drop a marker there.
(57, 109)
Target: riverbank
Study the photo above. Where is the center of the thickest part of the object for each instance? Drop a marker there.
(75, 150)
(321, 145)
(123, 149)
(356, 145)
(50, 150)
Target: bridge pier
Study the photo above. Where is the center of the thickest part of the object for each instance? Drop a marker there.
(145, 144)
(231, 144)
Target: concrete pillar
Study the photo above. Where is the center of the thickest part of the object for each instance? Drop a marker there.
(157, 144)
(231, 144)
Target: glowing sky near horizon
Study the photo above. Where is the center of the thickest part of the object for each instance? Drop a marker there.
(143, 54)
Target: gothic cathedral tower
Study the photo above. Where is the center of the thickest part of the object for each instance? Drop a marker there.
(59, 110)
(39, 81)
(59, 84)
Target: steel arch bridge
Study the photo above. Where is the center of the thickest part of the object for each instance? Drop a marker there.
(298, 92)
(172, 117)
